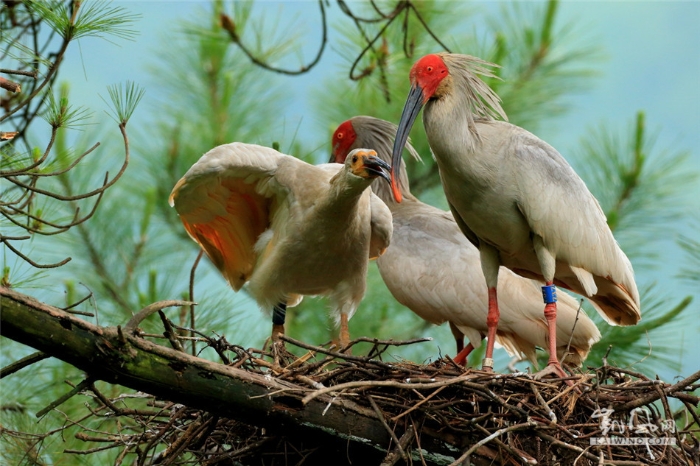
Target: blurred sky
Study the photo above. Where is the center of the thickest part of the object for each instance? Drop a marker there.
(652, 63)
(652, 51)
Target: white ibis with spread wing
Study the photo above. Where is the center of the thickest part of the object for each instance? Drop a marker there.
(287, 228)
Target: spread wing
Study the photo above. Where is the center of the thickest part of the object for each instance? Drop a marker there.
(226, 201)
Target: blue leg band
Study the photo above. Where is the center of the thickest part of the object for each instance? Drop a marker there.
(549, 294)
(279, 312)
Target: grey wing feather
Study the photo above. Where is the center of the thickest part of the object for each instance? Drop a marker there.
(559, 207)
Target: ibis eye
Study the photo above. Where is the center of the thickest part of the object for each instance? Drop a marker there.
(340, 136)
(429, 69)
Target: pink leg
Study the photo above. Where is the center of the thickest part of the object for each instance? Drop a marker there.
(461, 357)
(553, 366)
(277, 330)
(344, 336)
(550, 313)
(492, 323)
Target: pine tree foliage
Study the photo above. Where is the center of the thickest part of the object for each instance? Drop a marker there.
(690, 272)
(37, 202)
(50, 189)
(639, 186)
(72, 20)
(214, 96)
(543, 62)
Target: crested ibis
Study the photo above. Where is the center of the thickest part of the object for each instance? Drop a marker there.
(514, 196)
(431, 268)
(287, 228)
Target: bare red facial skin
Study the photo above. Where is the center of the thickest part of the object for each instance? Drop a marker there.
(343, 139)
(427, 73)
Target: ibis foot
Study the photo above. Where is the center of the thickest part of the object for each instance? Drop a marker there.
(553, 368)
(341, 346)
(512, 363)
(274, 338)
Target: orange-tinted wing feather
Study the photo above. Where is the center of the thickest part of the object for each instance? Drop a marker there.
(222, 208)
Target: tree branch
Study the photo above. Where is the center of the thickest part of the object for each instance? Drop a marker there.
(142, 365)
(22, 363)
(469, 412)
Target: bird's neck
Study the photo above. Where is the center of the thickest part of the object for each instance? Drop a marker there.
(450, 126)
(345, 191)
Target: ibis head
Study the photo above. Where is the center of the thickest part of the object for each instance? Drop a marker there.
(430, 79)
(365, 164)
(343, 139)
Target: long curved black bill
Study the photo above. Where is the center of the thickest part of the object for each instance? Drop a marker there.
(411, 109)
(377, 166)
